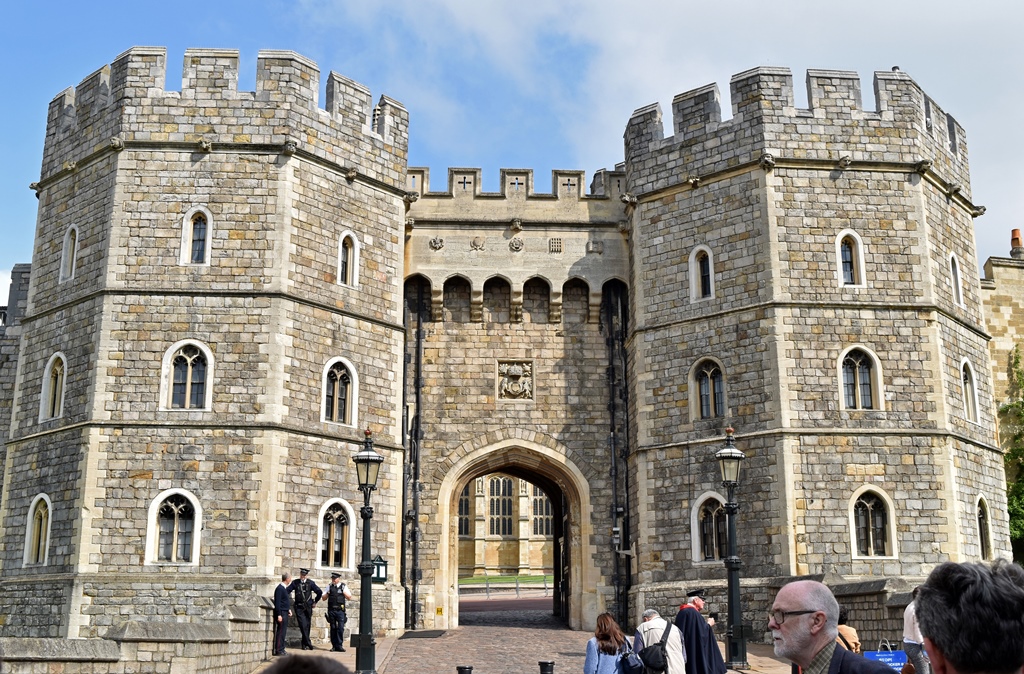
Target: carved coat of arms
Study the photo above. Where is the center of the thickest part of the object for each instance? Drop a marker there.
(515, 380)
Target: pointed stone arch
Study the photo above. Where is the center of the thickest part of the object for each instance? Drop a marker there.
(543, 461)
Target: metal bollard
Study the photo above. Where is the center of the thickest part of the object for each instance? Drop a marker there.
(464, 669)
(547, 666)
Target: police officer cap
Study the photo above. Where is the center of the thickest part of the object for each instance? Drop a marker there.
(303, 571)
(697, 593)
(335, 574)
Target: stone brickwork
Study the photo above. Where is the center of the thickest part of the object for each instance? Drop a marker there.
(1002, 291)
(559, 337)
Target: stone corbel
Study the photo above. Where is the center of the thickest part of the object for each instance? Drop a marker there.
(694, 181)
(115, 144)
(205, 145)
(628, 199)
(350, 174)
(411, 198)
(516, 225)
(289, 148)
(978, 211)
(766, 161)
(923, 166)
(954, 189)
(845, 161)
(70, 166)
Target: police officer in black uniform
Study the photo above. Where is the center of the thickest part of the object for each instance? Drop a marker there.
(337, 593)
(306, 595)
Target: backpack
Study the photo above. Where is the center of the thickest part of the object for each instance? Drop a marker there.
(655, 656)
(631, 662)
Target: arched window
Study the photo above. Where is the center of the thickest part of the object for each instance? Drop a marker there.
(348, 259)
(955, 281)
(541, 512)
(871, 522)
(340, 392)
(501, 506)
(37, 536)
(711, 389)
(860, 381)
(69, 254)
(850, 258)
(464, 510)
(187, 377)
(175, 522)
(984, 540)
(51, 402)
(713, 530)
(196, 234)
(702, 274)
(188, 384)
(334, 537)
(970, 392)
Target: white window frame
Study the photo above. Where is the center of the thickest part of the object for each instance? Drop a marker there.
(694, 274)
(877, 379)
(185, 253)
(153, 528)
(45, 391)
(972, 402)
(69, 254)
(167, 377)
(890, 523)
(28, 531)
(356, 251)
(351, 544)
(858, 260)
(353, 392)
(696, 550)
(956, 280)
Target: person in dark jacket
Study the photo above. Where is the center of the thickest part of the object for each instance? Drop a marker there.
(282, 609)
(702, 653)
(972, 618)
(804, 621)
(337, 594)
(307, 594)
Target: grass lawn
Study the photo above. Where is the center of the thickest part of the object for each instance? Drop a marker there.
(523, 580)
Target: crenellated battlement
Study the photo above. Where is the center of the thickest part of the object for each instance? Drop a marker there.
(905, 127)
(518, 197)
(128, 100)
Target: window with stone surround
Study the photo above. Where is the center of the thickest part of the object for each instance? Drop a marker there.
(37, 535)
(196, 235)
(348, 259)
(501, 506)
(970, 392)
(850, 259)
(336, 535)
(956, 283)
(860, 377)
(175, 523)
(464, 513)
(871, 523)
(340, 392)
(541, 512)
(709, 385)
(702, 274)
(187, 371)
(51, 400)
(984, 533)
(69, 254)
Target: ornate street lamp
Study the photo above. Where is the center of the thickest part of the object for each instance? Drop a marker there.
(729, 460)
(367, 469)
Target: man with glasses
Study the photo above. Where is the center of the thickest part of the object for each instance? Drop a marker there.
(972, 618)
(804, 621)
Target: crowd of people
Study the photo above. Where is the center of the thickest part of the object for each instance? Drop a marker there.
(965, 619)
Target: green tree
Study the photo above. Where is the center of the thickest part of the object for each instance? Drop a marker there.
(1011, 426)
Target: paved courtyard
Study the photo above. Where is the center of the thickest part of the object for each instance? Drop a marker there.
(511, 640)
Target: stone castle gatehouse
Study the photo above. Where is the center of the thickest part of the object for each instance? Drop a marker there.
(229, 287)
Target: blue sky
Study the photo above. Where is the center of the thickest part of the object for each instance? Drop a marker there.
(538, 85)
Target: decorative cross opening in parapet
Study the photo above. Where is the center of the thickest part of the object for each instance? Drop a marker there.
(465, 181)
(568, 184)
(516, 183)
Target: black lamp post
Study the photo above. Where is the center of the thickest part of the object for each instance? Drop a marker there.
(729, 460)
(367, 469)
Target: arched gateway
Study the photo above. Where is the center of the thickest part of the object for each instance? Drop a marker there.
(547, 466)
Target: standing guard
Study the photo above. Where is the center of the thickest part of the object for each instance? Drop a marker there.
(337, 593)
(305, 590)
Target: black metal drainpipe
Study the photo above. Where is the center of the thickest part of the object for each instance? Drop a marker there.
(415, 447)
(627, 534)
(403, 555)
